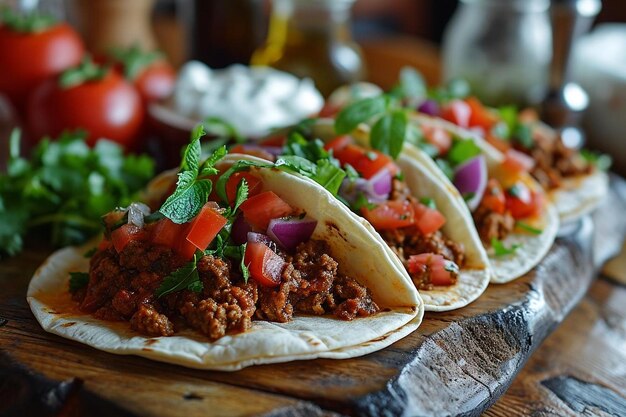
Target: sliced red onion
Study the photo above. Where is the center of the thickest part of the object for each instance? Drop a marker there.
(240, 230)
(376, 189)
(429, 107)
(136, 213)
(381, 183)
(289, 233)
(470, 178)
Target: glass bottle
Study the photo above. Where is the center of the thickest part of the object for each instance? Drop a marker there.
(312, 38)
(503, 48)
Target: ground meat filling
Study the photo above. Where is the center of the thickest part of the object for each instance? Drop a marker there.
(491, 225)
(555, 161)
(122, 287)
(408, 241)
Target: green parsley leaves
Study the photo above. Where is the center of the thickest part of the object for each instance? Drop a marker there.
(64, 188)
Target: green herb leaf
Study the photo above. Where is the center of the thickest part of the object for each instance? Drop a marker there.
(412, 83)
(360, 202)
(78, 280)
(389, 132)
(428, 202)
(32, 22)
(359, 112)
(241, 195)
(191, 156)
(220, 128)
(528, 228)
(329, 176)
(86, 71)
(600, 160)
(501, 250)
(134, 60)
(523, 135)
(445, 167)
(90, 253)
(186, 277)
(184, 204)
(462, 150)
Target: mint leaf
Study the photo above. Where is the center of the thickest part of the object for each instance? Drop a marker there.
(78, 280)
(186, 203)
(186, 277)
(359, 112)
(501, 250)
(191, 156)
(388, 133)
(241, 195)
(208, 166)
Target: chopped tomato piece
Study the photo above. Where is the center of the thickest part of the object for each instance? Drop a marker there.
(366, 162)
(522, 202)
(104, 245)
(390, 215)
(457, 112)
(438, 137)
(206, 225)
(254, 185)
(257, 151)
(167, 233)
(428, 220)
(338, 143)
(481, 116)
(261, 208)
(274, 140)
(494, 199)
(123, 235)
(185, 248)
(442, 271)
(265, 265)
(517, 162)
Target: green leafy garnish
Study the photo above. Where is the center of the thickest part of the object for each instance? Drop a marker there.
(192, 190)
(78, 280)
(388, 133)
(523, 135)
(359, 112)
(134, 60)
(186, 277)
(90, 253)
(428, 202)
(462, 150)
(64, 188)
(501, 250)
(87, 70)
(237, 254)
(360, 202)
(599, 160)
(31, 22)
(528, 228)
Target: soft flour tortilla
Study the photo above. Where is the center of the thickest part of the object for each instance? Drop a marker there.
(533, 247)
(474, 277)
(306, 337)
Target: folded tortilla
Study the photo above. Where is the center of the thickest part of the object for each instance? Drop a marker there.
(358, 252)
(532, 247)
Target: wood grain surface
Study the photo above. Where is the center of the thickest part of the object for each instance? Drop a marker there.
(457, 363)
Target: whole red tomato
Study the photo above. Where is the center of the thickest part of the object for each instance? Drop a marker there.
(153, 76)
(97, 100)
(30, 53)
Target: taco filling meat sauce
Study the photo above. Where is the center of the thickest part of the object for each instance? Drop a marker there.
(216, 267)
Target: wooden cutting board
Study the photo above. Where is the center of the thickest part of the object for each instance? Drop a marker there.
(456, 363)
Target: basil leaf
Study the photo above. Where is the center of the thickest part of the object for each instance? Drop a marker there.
(186, 277)
(388, 133)
(359, 112)
(78, 280)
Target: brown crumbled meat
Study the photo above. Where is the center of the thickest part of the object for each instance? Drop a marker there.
(318, 270)
(353, 299)
(491, 225)
(275, 303)
(148, 321)
(555, 161)
(400, 191)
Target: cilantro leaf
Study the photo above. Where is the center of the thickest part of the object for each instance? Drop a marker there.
(359, 112)
(389, 132)
(78, 280)
(329, 176)
(186, 277)
(360, 202)
(501, 250)
(463, 150)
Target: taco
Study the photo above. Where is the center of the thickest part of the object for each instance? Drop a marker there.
(401, 201)
(242, 264)
(574, 179)
(514, 219)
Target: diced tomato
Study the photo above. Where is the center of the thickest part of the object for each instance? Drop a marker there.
(522, 202)
(264, 264)
(274, 140)
(438, 137)
(253, 151)
(457, 112)
(104, 245)
(206, 225)
(517, 162)
(185, 248)
(254, 185)
(338, 143)
(390, 215)
(428, 220)
(123, 235)
(366, 162)
(481, 116)
(441, 270)
(167, 233)
(494, 199)
(260, 209)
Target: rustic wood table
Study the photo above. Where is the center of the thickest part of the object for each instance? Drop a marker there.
(457, 363)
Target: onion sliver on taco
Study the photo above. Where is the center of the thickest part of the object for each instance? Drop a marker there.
(304, 280)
